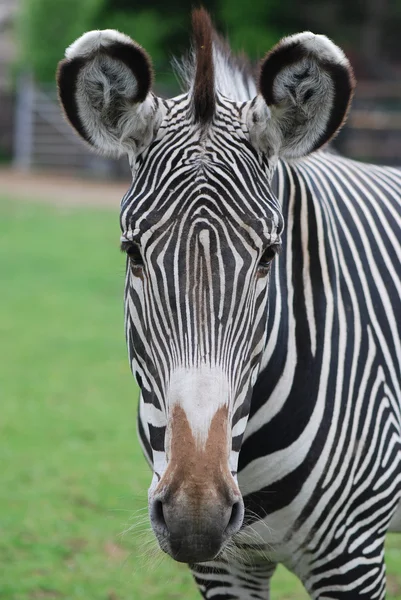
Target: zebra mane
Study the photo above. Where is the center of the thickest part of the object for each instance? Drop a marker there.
(234, 73)
(211, 66)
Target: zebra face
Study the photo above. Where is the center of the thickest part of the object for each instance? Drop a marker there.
(200, 235)
(200, 226)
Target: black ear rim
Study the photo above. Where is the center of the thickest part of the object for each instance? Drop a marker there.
(132, 55)
(344, 85)
(138, 60)
(67, 77)
(342, 75)
(277, 59)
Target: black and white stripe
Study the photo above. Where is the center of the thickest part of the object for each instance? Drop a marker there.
(275, 297)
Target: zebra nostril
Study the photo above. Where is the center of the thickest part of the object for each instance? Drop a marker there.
(158, 519)
(236, 518)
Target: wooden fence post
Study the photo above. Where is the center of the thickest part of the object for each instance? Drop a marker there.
(23, 128)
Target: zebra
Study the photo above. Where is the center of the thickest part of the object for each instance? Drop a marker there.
(262, 309)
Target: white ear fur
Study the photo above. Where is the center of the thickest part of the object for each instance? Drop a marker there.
(104, 86)
(319, 46)
(92, 41)
(306, 85)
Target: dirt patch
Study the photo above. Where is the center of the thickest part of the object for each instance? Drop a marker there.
(393, 585)
(86, 503)
(40, 572)
(45, 593)
(75, 545)
(115, 552)
(61, 190)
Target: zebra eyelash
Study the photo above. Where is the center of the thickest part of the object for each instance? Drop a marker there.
(268, 255)
(133, 251)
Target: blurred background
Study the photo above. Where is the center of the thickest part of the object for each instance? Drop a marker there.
(73, 483)
(35, 33)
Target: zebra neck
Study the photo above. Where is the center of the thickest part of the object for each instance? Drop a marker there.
(297, 297)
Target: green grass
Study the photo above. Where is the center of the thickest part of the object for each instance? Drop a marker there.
(72, 475)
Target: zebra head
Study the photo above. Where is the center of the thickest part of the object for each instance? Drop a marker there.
(200, 227)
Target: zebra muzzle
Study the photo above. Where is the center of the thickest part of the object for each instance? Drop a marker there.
(193, 533)
(196, 505)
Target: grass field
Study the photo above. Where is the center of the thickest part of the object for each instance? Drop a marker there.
(72, 477)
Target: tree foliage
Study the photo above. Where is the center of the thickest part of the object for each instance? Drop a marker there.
(45, 28)
(368, 30)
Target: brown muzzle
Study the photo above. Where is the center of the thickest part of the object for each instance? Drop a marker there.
(197, 506)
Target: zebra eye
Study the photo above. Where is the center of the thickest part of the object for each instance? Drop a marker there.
(267, 257)
(133, 251)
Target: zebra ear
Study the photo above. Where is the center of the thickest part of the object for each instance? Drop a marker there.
(306, 85)
(104, 87)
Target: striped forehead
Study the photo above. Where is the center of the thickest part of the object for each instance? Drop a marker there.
(190, 168)
(197, 213)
